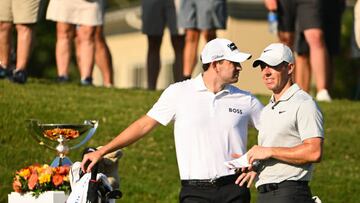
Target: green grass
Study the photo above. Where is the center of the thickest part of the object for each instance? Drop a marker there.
(148, 169)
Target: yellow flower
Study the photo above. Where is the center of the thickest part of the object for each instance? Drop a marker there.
(66, 179)
(39, 169)
(40, 178)
(25, 173)
(44, 178)
(48, 170)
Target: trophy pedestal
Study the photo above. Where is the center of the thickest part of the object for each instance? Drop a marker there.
(61, 161)
(46, 197)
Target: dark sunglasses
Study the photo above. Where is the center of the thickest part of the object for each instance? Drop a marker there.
(282, 64)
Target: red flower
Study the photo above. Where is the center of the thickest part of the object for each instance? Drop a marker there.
(33, 181)
(40, 178)
(17, 186)
(62, 170)
(57, 179)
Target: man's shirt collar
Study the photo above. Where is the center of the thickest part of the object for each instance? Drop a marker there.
(287, 94)
(200, 85)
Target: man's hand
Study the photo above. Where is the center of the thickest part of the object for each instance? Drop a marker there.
(245, 176)
(258, 153)
(248, 177)
(271, 5)
(93, 158)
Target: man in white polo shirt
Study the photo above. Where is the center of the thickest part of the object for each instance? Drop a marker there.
(291, 132)
(211, 123)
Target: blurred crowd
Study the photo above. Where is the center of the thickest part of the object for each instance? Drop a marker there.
(78, 22)
(314, 37)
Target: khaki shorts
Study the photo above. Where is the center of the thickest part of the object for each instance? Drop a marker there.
(78, 12)
(19, 11)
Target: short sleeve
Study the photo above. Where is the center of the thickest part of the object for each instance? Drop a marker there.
(163, 110)
(310, 120)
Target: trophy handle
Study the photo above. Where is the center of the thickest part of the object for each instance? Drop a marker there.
(89, 135)
(34, 125)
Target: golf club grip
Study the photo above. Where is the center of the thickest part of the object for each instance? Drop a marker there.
(94, 170)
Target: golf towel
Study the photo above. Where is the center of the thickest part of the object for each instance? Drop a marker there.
(79, 186)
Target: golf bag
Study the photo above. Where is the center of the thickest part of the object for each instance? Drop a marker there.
(90, 187)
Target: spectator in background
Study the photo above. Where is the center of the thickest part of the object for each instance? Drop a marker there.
(357, 22)
(331, 21)
(81, 16)
(306, 14)
(23, 14)
(103, 57)
(356, 45)
(156, 14)
(200, 17)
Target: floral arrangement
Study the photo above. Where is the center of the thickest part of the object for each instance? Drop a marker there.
(40, 178)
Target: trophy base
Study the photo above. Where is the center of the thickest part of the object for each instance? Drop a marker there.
(61, 161)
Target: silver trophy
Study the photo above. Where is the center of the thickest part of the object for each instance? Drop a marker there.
(62, 137)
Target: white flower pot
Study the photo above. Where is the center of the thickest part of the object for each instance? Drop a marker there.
(46, 197)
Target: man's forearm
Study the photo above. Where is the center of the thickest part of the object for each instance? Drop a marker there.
(301, 154)
(131, 134)
(309, 151)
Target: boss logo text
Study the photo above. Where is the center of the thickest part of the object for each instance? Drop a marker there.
(233, 110)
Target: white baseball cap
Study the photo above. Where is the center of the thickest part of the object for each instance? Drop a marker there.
(219, 49)
(274, 54)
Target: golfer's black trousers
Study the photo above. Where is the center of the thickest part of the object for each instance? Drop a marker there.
(285, 192)
(229, 193)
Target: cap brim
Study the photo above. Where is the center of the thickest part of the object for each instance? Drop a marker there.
(238, 57)
(268, 60)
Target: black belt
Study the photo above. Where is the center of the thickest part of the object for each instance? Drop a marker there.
(218, 182)
(274, 186)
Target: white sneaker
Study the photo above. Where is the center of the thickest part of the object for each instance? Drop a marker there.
(323, 96)
(316, 199)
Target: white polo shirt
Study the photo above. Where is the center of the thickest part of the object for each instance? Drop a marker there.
(287, 123)
(208, 127)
